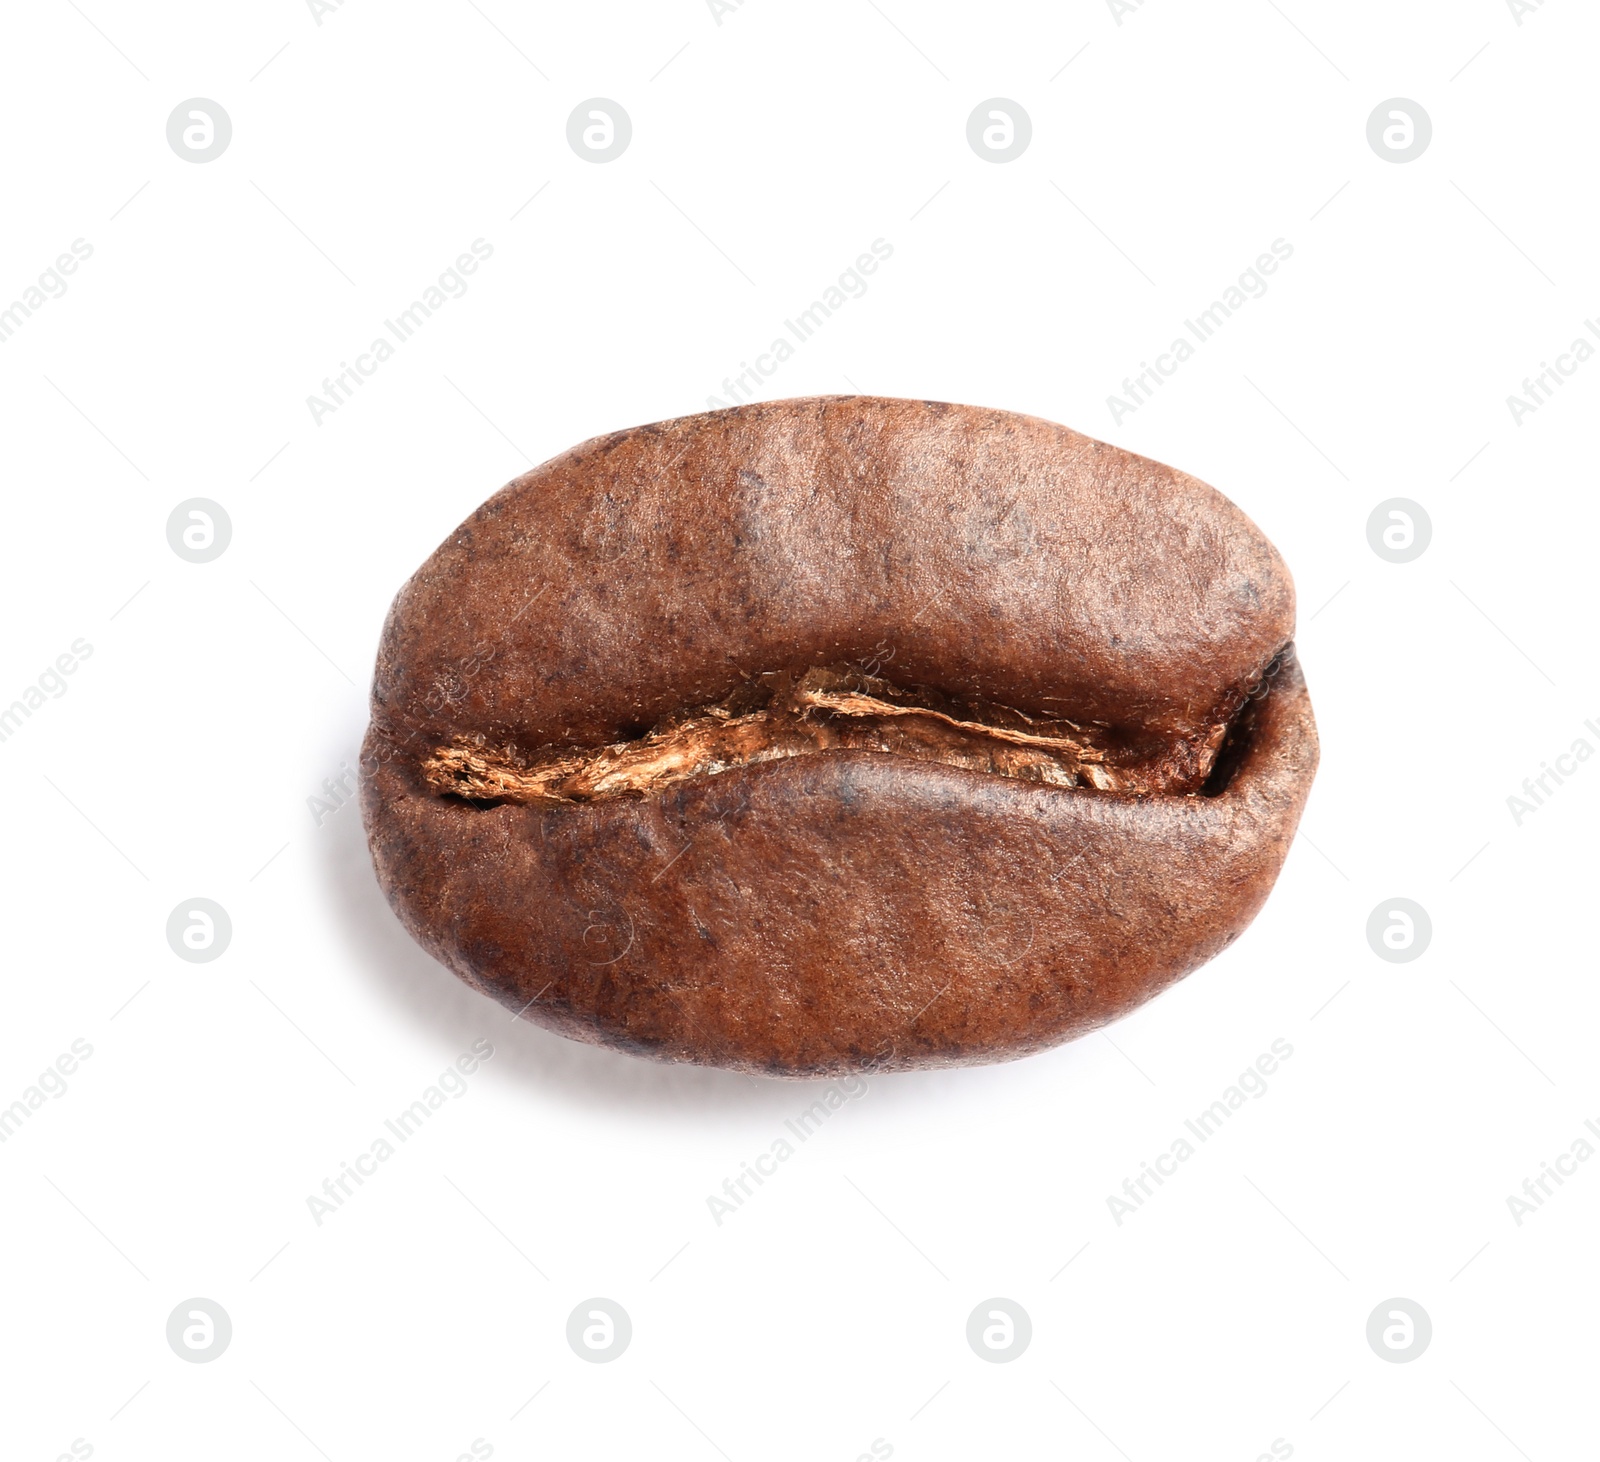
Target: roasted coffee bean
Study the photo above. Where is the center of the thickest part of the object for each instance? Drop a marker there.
(838, 734)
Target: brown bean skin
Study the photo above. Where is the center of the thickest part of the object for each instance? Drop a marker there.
(849, 909)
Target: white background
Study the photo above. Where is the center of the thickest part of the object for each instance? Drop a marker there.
(768, 151)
